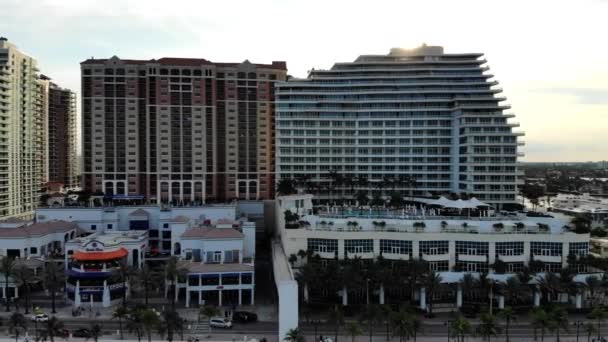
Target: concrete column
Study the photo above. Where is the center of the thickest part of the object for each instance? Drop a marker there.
(247, 190)
(527, 253)
(187, 296)
(236, 188)
(459, 297)
(344, 296)
(200, 297)
(423, 298)
(381, 295)
(257, 189)
(501, 302)
(415, 249)
(106, 301)
(452, 251)
(491, 252)
(181, 190)
(240, 297)
(305, 289)
(565, 252)
(536, 298)
(579, 300)
(170, 191)
(192, 191)
(158, 192)
(16, 292)
(203, 191)
(219, 299)
(253, 295)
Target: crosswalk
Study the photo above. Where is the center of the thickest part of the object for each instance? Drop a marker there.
(200, 328)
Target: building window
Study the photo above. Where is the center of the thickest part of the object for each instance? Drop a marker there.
(323, 245)
(546, 248)
(93, 227)
(579, 248)
(433, 247)
(167, 235)
(359, 246)
(33, 250)
(439, 266)
(109, 226)
(471, 248)
(509, 248)
(396, 247)
(165, 225)
(153, 233)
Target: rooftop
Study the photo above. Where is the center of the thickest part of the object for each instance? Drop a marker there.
(174, 61)
(37, 229)
(212, 233)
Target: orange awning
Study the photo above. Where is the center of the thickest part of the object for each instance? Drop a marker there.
(100, 256)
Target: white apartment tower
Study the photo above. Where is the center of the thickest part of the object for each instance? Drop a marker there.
(23, 104)
(418, 121)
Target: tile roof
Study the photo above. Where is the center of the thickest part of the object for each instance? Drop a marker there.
(38, 229)
(212, 233)
(139, 212)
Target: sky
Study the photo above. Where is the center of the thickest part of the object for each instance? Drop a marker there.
(550, 57)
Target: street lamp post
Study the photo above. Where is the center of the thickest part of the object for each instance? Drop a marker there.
(367, 290)
(578, 324)
(448, 323)
(315, 323)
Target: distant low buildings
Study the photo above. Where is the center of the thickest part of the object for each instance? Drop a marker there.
(593, 208)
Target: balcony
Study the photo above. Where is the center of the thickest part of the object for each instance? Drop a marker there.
(436, 257)
(511, 258)
(473, 258)
(396, 256)
(548, 258)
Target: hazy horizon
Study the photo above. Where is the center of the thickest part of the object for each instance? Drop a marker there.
(546, 55)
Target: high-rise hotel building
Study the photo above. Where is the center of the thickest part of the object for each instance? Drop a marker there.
(61, 134)
(23, 105)
(179, 129)
(421, 114)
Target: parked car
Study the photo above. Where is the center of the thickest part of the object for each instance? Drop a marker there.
(40, 318)
(82, 332)
(244, 317)
(62, 333)
(220, 322)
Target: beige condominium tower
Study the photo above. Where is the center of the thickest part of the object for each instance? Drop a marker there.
(179, 130)
(23, 106)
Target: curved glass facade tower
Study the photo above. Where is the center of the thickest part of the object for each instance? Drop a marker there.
(417, 121)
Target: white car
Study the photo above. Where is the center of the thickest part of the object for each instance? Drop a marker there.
(220, 322)
(40, 318)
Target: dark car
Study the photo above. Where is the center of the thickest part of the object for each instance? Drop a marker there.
(244, 317)
(82, 332)
(62, 333)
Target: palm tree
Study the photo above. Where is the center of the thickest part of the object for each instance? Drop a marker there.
(386, 312)
(590, 330)
(294, 335)
(361, 197)
(171, 323)
(53, 279)
(24, 277)
(372, 315)
(95, 331)
(550, 285)
(7, 267)
(150, 321)
(508, 315)
(593, 285)
(460, 327)
(121, 274)
(16, 322)
(353, 330)
(540, 320)
(120, 313)
(147, 278)
(174, 272)
(134, 322)
(52, 326)
(599, 314)
(308, 276)
(559, 318)
(406, 324)
(286, 186)
(514, 291)
(488, 327)
(207, 312)
(431, 282)
(336, 318)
